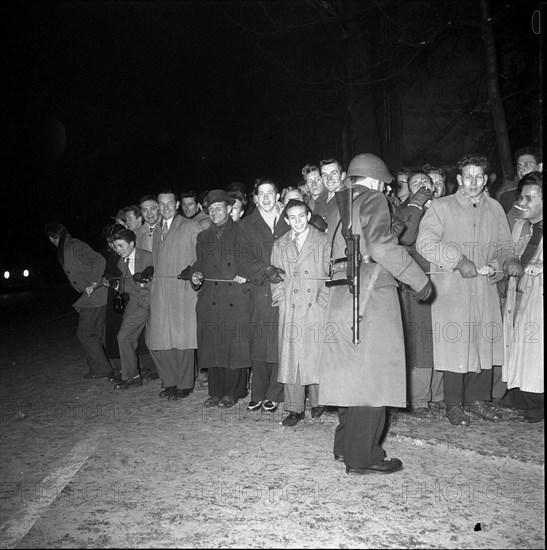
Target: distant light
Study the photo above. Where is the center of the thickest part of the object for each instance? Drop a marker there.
(26, 273)
(6, 274)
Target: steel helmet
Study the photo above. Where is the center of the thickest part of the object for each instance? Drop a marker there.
(369, 165)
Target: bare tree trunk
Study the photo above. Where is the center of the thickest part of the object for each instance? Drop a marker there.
(496, 105)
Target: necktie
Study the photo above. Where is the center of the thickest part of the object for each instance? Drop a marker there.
(532, 246)
(298, 241)
(121, 287)
(164, 230)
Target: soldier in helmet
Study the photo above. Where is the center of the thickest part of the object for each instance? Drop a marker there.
(364, 378)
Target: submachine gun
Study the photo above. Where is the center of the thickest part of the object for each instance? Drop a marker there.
(344, 200)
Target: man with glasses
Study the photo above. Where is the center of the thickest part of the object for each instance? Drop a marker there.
(466, 239)
(333, 176)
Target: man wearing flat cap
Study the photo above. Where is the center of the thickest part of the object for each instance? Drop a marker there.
(223, 305)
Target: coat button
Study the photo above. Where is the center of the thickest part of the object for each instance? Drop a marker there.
(214, 303)
(306, 272)
(309, 305)
(293, 305)
(231, 305)
(296, 290)
(216, 284)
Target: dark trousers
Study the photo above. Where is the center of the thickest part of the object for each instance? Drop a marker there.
(525, 400)
(357, 436)
(133, 323)
(264, 382)
(175, 367)
(231, 382)
(90, 333)
(467, 387)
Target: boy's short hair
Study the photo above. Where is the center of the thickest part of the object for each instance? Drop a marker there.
(472, 160)
(125, 235)
(293, 203)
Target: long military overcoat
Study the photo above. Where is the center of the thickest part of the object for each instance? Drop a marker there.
(371, 373)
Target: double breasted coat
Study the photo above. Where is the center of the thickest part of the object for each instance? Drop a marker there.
(172, 322)
(301, 299)
(223, 308)
(371, 373)
(256, 241)
(466, 313)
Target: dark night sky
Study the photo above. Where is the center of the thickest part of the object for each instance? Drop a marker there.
(151, 94)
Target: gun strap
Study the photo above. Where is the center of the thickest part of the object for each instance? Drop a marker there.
(368, 291)
(331, 260)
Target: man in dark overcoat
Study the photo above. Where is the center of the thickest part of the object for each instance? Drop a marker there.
(223, 307)
(363, 379)
(258, 231)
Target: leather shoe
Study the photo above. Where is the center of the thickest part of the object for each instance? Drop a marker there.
(269, 406)
(484, 410)
(386, 466)
(149, 375)
(339, 458)
(227, 402)
(456, 416)
(168, 391)
(211, 402)
(421, 412)
(254, 406)
(115, 378)
(93, 376)
(530, 416)
(316, 412)
(179, 394)
(293, 419)
(126, 384)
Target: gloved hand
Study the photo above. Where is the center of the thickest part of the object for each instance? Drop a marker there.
(107, 279)
(197, 278)
(145, 276)
(421, 197)
(318, 222)
(512, 268)
(185, 274)
(425, 293)
(467, 268)
(273, 274)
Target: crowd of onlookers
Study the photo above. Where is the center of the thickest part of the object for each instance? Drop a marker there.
(228, 283)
